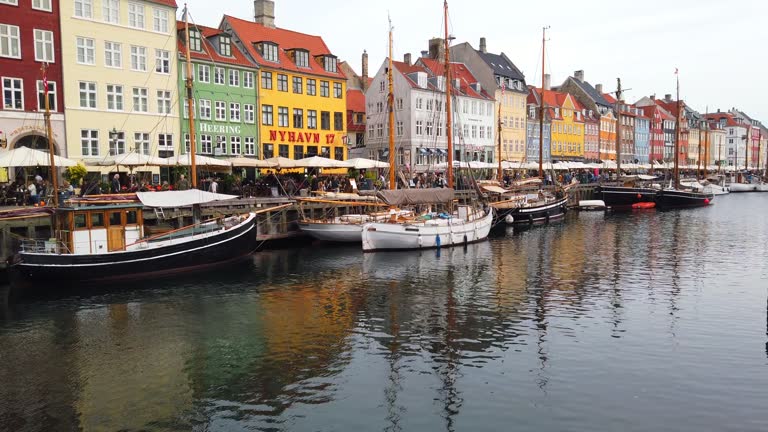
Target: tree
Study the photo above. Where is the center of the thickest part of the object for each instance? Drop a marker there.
(75, 174)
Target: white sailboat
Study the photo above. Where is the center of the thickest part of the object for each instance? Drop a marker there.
(466, 224)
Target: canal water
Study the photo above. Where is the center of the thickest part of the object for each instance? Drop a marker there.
(632, 322)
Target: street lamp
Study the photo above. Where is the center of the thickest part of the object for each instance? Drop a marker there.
(113, 134)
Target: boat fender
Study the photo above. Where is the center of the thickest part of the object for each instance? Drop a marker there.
(639, 196)
(465, 239)
(437, 240)
(421, 241)
(509, 219)
(530, 219)
(546, 217)
(706, 200)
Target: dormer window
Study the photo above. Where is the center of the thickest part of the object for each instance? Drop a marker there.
(195, 42)
(302, 58)
(329, 63)
(269, 52)
(225, 46)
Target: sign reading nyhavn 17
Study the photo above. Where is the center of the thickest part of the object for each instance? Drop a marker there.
(300, 137)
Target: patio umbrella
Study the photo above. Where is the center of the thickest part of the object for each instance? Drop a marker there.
(27, 157)
(362, 163)
(200, 160)
(280, 162)
(132, 159)
(245, 162)
(319, 162)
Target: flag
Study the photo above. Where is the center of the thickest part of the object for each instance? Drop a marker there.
(45, 81)
(675, 71)
(503, 87)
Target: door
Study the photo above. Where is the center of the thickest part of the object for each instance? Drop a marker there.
(115, 231)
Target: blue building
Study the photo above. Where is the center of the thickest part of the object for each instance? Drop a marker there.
(642, 139)
(533, 129)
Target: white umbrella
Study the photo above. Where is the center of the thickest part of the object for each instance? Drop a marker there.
(132, 159)
(362, 163)
(27, 157)
(249, 162)
(280, 162)
(319, 162)
(200, 160)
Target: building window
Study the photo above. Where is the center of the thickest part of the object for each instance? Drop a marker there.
(117, 143)
(298, 118)
(160, 20)
(419, 127)
(282, 116)
(13, 93)
(337, 90)
(221, 111)
(399, 103)
(298, 85)
(43, 5)
(51, 96)
(234, 78)
(206, 144)
(248, 79)
(140, 99)
(218, 75)
(9, 41)
(298, 152)
(379, 130)
(325, 120)
(249, 113)
(87, 94)
(162, 61)
(203, 73)
(234, 112)
(110, 11)
(266, 80)
(113, 55)
(250, 146)
(225, 46)
(311, 119)
(268, 150)
(338, 121)
(205, 109)
(164, 101)
(235, 146)
(429, 128)
(114, 97)
(302, 58)
(86, 50)
(138, 58)
(267, 115)
(195, 41)
(330, 63)
(185, 111)
(324, 88)
(269, 52)
(44, 46)
(84, 8)
(141, 142)
(89, 142)
(311, 87)
(419, 103)
(282, 150)
(370, 131)
(221, 145)
(136, 15)
(399, 128)
(282, 82)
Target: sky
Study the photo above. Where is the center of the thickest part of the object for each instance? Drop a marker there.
(719, 47)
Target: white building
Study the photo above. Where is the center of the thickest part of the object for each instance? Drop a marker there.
(420, 116)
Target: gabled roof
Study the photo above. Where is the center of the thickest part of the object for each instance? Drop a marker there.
(554, 99)
(250, 32)
(209, 52)
(459, 71)
(170, 3)
(591, 92)
(501, 65)
(730, 120)
(355, 100)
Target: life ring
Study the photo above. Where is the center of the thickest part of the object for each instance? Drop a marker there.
(509, 219)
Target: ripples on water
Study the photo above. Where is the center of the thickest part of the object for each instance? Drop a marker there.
(639, 321)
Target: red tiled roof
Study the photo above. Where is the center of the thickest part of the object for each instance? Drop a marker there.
(356, 100)
(250, 32)
(171, 3)
(209, 53)
(458, 71)
(730, 119)
(608, 98)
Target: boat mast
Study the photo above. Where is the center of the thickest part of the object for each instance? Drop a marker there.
(541, 105)
(448, 125)
(706, 143)
(618, 130)
(49, 137)
(746, 149)
(500, 175)
(676, 172)
(391, 104)
(190, 103)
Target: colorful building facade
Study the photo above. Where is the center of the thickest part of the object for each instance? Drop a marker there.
(567, 132)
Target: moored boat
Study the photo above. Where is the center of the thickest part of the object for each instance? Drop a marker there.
(678, 198)
(623, 196)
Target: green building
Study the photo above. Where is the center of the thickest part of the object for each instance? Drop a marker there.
(224, 95)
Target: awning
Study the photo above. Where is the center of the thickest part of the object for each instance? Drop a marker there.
(494, 189)
(423, 151)
(431, 151)
(180, 198)
(442, 152)
(416, 196)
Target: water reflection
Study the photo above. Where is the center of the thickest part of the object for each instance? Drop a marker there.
(333, 339)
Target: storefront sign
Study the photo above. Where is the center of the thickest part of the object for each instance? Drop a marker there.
(300, 137)
(28, 128)
(213, 128)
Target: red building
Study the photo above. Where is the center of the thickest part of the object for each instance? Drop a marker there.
(654, 113)
(29, 38)
(672, 106)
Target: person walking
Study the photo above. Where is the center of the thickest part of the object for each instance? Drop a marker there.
(183, 183)
(116, 183)
(214, 186)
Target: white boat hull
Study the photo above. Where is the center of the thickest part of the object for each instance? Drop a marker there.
(716, 189)
(743, 187)
(425, 235)
(334, 232)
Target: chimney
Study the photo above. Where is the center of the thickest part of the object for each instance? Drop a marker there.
(483, 48)
(365, 68)
(436, 48)
(668, 98)
(579, 75)
(407, 58)
(599, 88)
(424, 54)
(653, 97)
(264, 12)
(547, 81)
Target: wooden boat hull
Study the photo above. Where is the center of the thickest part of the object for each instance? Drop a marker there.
(620, 196)
(670, 199)
(59, 271)
(535, 214)
(384, 236)
(334, 232)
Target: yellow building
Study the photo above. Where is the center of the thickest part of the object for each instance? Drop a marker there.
(567, 142)
(302, 91)
(121, 93)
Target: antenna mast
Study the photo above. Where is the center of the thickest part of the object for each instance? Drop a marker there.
(190, 104)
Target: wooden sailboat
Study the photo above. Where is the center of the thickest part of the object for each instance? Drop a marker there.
(467, 224)
(107, 242)
(677, 196)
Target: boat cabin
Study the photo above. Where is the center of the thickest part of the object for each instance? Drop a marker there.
(99, 229)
